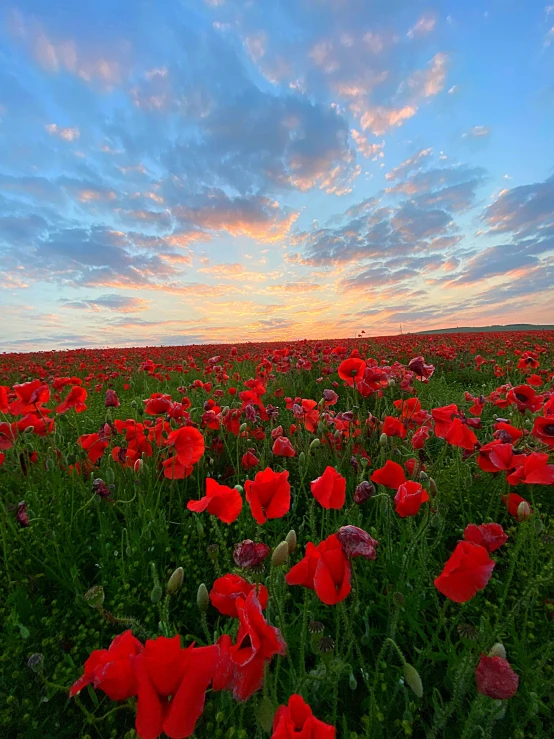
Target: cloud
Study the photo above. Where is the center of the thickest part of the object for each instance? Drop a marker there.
(524, 211)
(477, 132)
(116, 303)
(67, 134)
(423, 26)
(414, 162)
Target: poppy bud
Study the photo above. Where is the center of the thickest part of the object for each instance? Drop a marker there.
(199, 526)
(133, 404)
(280, 554)
(498, 650)
(363, 492)
(156, 593)
(364, 462)
(175, 581)
(291, 540)
(383, 440)
(36, 662)
(202, 598)
(423, 476)
(413, 680)
(433, 490)
(266, 712)
(352, 682)
(138, 466)
(243, 428)
(316, 443)
(95, 596)
(109, 475)
(301, 459)
(29, 430)
(523, 510)
(239, 488)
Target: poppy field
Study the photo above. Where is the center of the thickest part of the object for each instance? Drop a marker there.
(294, 540)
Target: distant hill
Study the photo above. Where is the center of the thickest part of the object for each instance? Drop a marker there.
(482, 329)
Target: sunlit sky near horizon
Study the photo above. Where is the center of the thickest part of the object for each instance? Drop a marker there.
(229, 170)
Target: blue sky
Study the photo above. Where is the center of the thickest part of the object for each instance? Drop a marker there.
(231, 170)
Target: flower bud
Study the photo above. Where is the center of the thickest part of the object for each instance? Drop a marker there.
(291, 540)
(138, 466)
(280, 554)
(433, 490)
(364, 462)
(95, 596)
(352, 682)
(243, 428)
(266, 712)
(202, 598)
(156, 593)
(133, 404)
(498, 650)
(212, 551)
(413, 680)
(36, 662)
(523, 510)
(383, 440)
(239, 488)
(423, 476)
(301, 459)
(29, 430)
(175, 581)
(109, 475)
(315, 444)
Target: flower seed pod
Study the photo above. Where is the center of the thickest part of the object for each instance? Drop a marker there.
(280, 554)
(239, 488)
(352, 682)
(175, 581)
(498, 650)
(433, 490)
(383, 440)
(95, 596)
(523, 511)
(291, 540)
(109, 475)
(202, 598)
(243, 428)
(413, 680)
(301, 459)
(316, 443)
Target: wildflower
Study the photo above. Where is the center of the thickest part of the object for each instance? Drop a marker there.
(495, 678)
(282, 447)
(466, 572)
(409, 498)
(325, 569)
(268, 495)
(330, 489)
(363, 492)
(221, 501)
(296, 720)
(356, 542)
(488, 535)
(250, 554)
(227, 589)
(391, 475)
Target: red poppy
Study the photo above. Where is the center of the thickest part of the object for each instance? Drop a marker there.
(409, 498)
(220, 501)
(282, 447)
(513, 501)
(443, 419)
(7, 436)
(111, 669)
(488, 535)
(524, 397)
(466, 572)
(227, 589)
(4, 395)
(356, 542)
(241, 665)
(268, 495)
(74, 399)
(30, 397)
(532, 469)
(325, 569)
(174, 470)
(496, 456)
(250, 554)
(543, 429)
(157, 404)
(249, 460)
(495, 678)
(330, 489)
(391, 475)
(94, 446)
(351, 370)
(506, 433)
(188, 443)
(297, 721)
(112, 401)
(166, 671)
(420, 437)
(421, 370)
(393, 427)
(459, 434)
(2, 458)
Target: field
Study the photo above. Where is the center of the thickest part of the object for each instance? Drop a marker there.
(367, 524)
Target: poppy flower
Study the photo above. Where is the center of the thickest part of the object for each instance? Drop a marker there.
(543, 429)
(93, 445)
(282, 447)
(2, 458)
(7, 436)
(495, 678)
(297, 721)
(513, 501)
(74, 399)
(111, 669)
(364, 491)
(488, 535)
(409, 498)
(330, 489)
(30, 396)
(325, 569)
(532, 469)
(21, 515)
(391, 475)
(421, 370)
(506, 433)
(394, 427)
(496, 456)
(112, 401)
(164, 670)
(249, 460)
(4, 397)
(250, 554)
(241, 665)
(466, 572)
(227, 589)
(351, 370)
(420, 437)
(268, 495)
(459, 434)
(220, 500)
(158, 403)
(356, 542)
(188, 443)
(443, 419)
(524, 397)
(174, 470)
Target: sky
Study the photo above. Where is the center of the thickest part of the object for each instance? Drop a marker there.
(198, 171)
